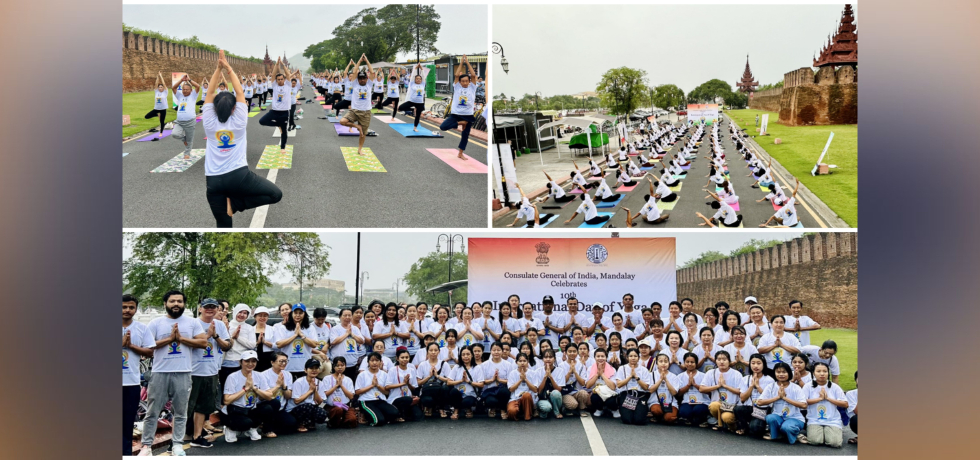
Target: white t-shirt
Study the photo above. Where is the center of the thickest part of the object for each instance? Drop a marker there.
(416, 92)
(526, 211)
(436, 330)
(298, 350)
(463, 99)
(392, 89)
(347, 348)
(778, 354)
(392, 342)
(708, 366)
(160, 100)
(751, 328)
(226, 146)
(823, 413)
(365, 379)
(386, 364)
(555, 190)
(764, 382)
(185, 106)
(360, 96)
(249, 90)
(396, 376)
(207, 361)
(603, 191)
(503, 369)
(650, 211)
(733, 379)
(140, 336)
(588, 208)
(270, 378)
(557, 319)
(805, 321)
(292, 94)
(693, 394)
(362, 348)
(852, 402)
(812, 352)
(746, 352)
(424, 369)
(642, 374)
(322, 336)
(235, 382)
(532, 376)
(378, 87)
(783, 408)
(788, 213)
(281, 98)
(475, 375)
(661, 394)
(338, 396)
(514, 325)
(726, 214)
(174, 356)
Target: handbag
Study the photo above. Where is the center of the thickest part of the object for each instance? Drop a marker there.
(604, 392)
(632, 398)
(761, 412)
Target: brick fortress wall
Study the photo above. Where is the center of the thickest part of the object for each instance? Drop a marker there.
(825, 97)
(143, 57)
(820, 270)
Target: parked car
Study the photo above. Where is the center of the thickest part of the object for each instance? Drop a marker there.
(681, 113)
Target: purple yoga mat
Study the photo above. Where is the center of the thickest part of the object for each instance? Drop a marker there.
(152, 136)
(345, 131)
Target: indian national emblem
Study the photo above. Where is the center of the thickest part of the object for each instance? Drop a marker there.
(542, 249)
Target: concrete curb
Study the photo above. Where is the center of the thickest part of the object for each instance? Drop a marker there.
(819, 207)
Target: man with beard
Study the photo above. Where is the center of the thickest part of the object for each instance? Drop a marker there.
(136, 344)
(631, 316)
(174, 336)
(206, 363)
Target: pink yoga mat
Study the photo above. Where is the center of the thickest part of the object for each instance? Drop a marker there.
(624, 189)
(775, 207)
(575, 191)
(735, 207)
(387, 120)
(152, 136)
(468, 166)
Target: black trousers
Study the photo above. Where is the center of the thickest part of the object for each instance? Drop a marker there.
(292, 116)
(244, 188)
(334, 99)
(248, 103)
(497, 400)
(611, 198)
(597, 220)
(158, 113)
(456, 400)
(433, 397)
(564, 198)
(280, 421)
(418, 106)
(854, 424)
(379, 411)
(596, 403)
(405, 408)
(131, 404)
(242, 419)
(309, 415)
(277, 118)
(341, 104)
(390, 100)
(745, 420)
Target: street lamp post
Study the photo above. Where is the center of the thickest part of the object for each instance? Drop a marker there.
(364, 276)
(397, 284)
(498, 49)
(450, 239)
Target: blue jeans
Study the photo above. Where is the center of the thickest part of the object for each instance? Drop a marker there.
(453, 121)
(552, 404)
(791, 427)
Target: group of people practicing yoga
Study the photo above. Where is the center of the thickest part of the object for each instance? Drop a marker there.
(745, 372)
(658, 140)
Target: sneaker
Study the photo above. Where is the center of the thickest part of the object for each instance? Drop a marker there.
(201, 442)
(597, 413)
(254, 434)
(616, 414)
(231, 435)
(146, 451)
(178, 451)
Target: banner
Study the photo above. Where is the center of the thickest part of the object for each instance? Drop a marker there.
(509, 172)
(707, 111)
(589, 269)
(765, 124)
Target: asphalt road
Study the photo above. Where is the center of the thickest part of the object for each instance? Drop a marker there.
(691, 197)
(497, 437)
(419, 189)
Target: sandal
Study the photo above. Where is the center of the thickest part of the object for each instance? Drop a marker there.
(491, 413)
(469, 414)
(767, 437)
(442, 413)
(852, 441)
(427, 412)
(301, 429)
(503, 415)
(801, 438)
(455, 415)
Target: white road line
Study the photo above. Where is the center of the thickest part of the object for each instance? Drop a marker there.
(258, 219)
(595, 440)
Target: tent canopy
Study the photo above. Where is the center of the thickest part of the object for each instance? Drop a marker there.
(448, 286)
(508, 122)
(578, 122)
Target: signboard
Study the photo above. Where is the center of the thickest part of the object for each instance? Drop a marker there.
(695, 112)
(765, 124)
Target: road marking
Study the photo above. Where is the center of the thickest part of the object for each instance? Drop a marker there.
(595, 439)
(258, 219)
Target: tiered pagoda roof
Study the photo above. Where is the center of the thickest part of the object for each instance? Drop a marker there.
(841, 48)
(748, 82)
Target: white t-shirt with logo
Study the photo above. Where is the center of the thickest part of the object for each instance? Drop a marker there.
(650, 210)
(726, 214)
(502, 368)
(207, 361)
(235, 382)
(225, 151)
(249, 90)
(788, 213)
(557, 319)
(823, 413)
(588, 208)
(416, 92)
(733, 379)
(805, 321)
(298, 351)
(160, 100)
(174, 356)
(642, 374)
(661, 394)
(693, 394)
(392, 342)
(347, 348)
(813, 352)
(778, 354)
(292, 94)
(764, 382)
(270, 378)
(534, 377)
(360, 96)
(338, 396)
(463, 99)
(783, 408)
(396, 376)
(281, 98)
(475, 375)
(322, 336)
(140, 336)
(392, 89)
(185, 106)
(300, 387)
(365, 379)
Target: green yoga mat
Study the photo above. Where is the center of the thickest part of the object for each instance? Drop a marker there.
(252, 114)
(377, 111)
(273, 159)
(363, 163)
(677, 187)
(664, 206)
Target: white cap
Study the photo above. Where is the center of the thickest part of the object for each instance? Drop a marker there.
(260, 310)
(249, 354)
(598, 304)
(751, 299)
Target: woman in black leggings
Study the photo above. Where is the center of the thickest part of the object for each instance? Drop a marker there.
(416, 95)
(159, 106)
(391, 93)
(278, 114)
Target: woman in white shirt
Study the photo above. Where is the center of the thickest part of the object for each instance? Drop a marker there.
(823, 398)
(340, 391)
(450, 352)
(706, 350)
(439, 327)
(370, 386)
(416, 330)
(603, 384)
(391, 330)
(391, 92)
(778, 345)
(510, 324)
(633, 381)
(495, 372)
(575, 395)
(523, 384)
(469, 330)
(757, 326)
(428, 377)
(401, 384)
(552, 382)
(378, 347)
(740, 350)
(693, 408)
(801, 376)
(231, 186)
(308, 393)
(416, 94)
(159, 106)
(242, 339)
(241, 413)
(464, 380)
(664, 391)
(752, 387)
(588, 208)
(786, 400)
(461, 109)
(296, 338)
(724, 385)
(729, 319)
(623, 177)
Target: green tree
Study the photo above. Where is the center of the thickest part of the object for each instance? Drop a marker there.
(766, 86)
(192, 42)
(234, 266)
(669, 95)
(737, 100)
(708, 91)
(433, 270)
(753, 245)
(703, 258)
(623, 89)
(378, 33)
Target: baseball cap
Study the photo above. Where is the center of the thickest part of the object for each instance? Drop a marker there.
(312, 363)
(644, 343)
(547, 299)
(206, 302)
(597, 304)
(751, 299)
(362, 74)
(249, 354)
(260, 310)
(299, 306)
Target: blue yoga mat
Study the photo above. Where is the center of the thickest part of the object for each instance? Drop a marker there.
(798, 225)
(585, 225)
(333, 119)
(407, 130)
(609, 204)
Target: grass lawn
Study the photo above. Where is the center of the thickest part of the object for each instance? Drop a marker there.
(847, 351)
(136, 105)
(799, 150)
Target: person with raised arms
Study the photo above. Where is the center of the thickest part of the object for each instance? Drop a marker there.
(359, 115)
(278, 114)
(529, 212)
(346, 80)
(185, 93)
(461, 108)
(391, 93)
(603, 192)
(555, 191)
(588, 208)
(159, 105)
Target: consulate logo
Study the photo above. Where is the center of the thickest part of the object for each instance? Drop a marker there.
(597, 253)
(542, 249)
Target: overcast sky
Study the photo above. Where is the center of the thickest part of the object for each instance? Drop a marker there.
(246, 29)
(387, 256)
(565, 49)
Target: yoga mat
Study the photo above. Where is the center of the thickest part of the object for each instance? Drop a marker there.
(682, 176)
(558, 205)
(252, 114)
(449, 156)
(388, 120)
(798, 225)
(278, 133)
(345, 131)
(740, 225)
(664, 206)
(647, 168)
(408, 130)
(273, 159)
(125, 153)
(775, 207)
(377, 111)
(735, 206)
(362, 163)
(544, 224)
(333, 119)
(686, 167)
(152, 136)
(585, 225)
(575, 191)
(178, 163)
(624, 189)
(609, 204)
(327, 107)
(676, 188)
(319, 98)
